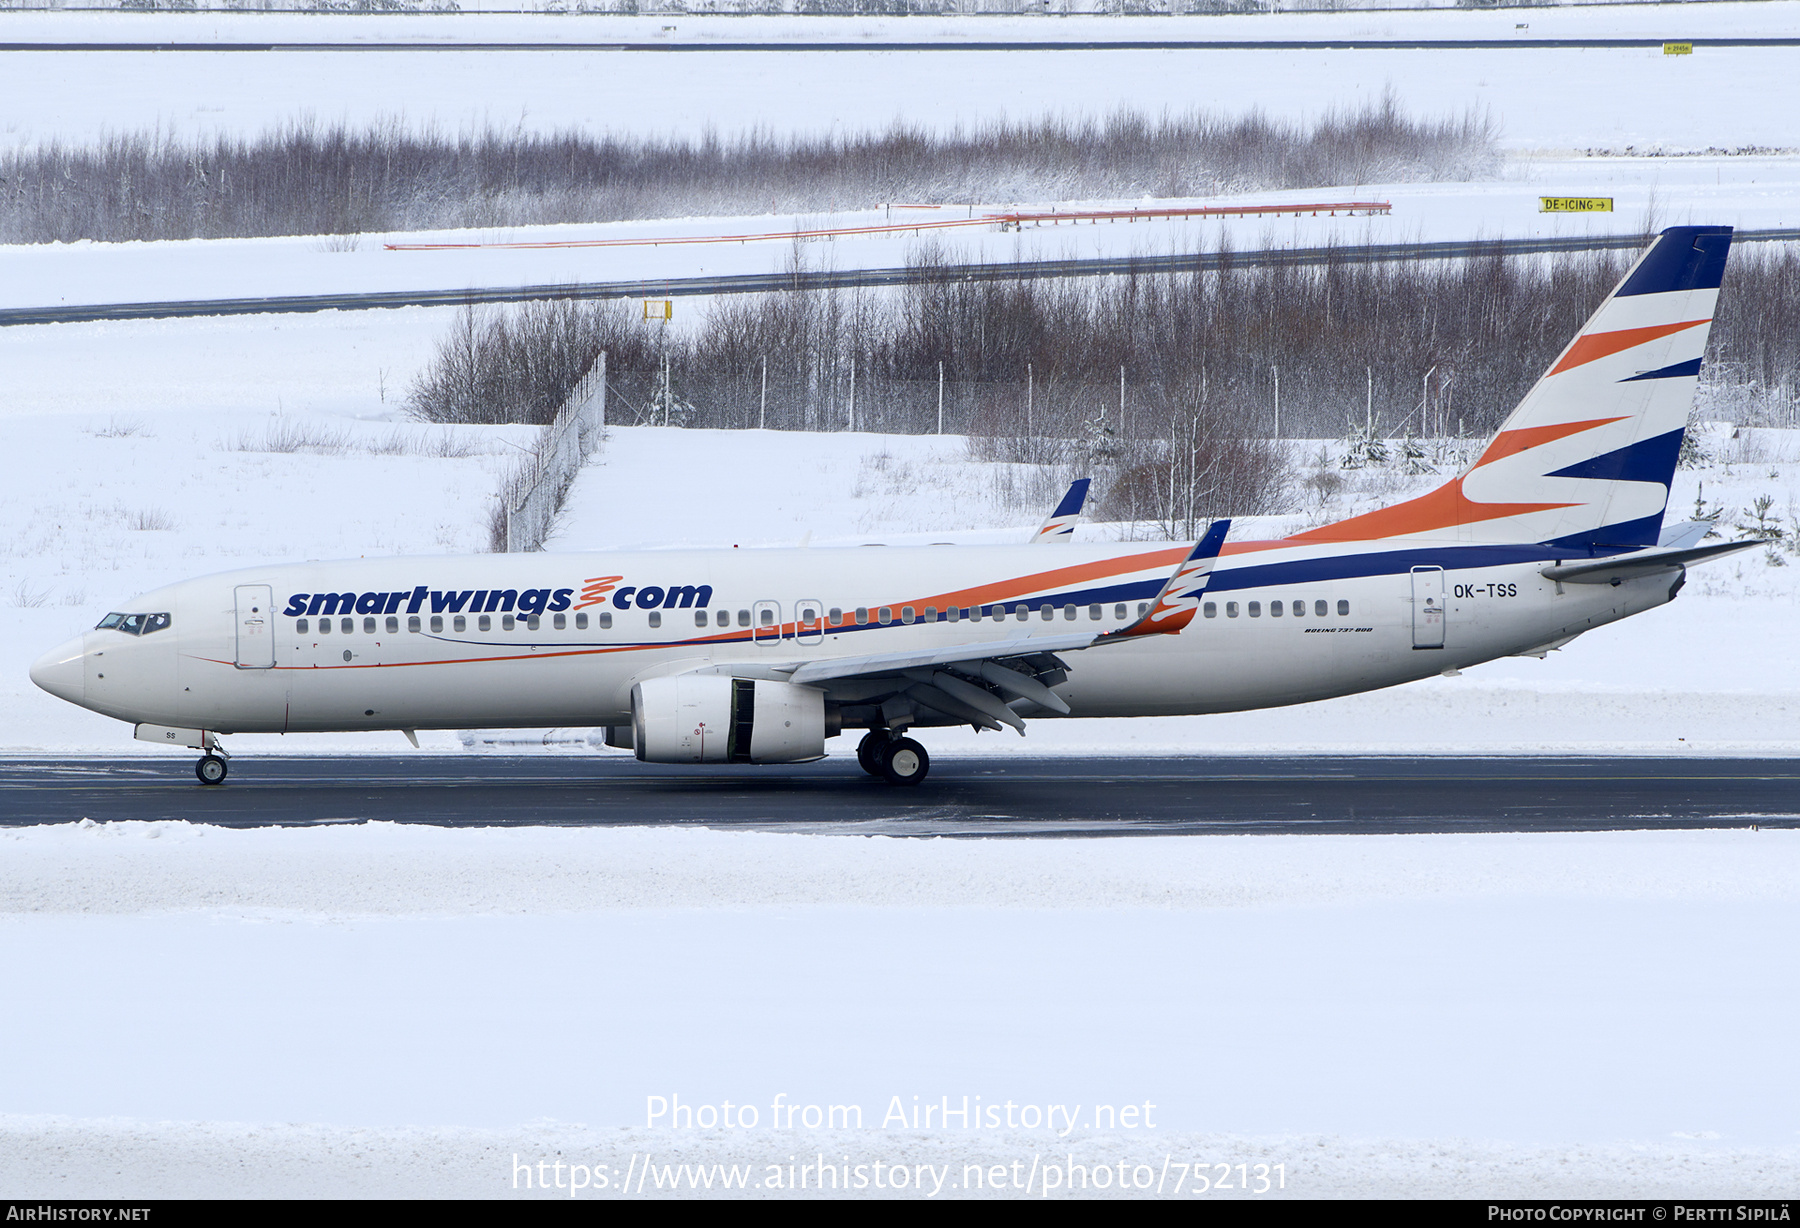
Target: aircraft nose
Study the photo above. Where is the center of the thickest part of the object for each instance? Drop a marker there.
(63, 672)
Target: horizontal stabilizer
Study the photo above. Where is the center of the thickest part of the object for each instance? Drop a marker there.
(1681, 536)
(1648, 562)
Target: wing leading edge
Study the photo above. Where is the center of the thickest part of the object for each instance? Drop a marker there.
(987, 683)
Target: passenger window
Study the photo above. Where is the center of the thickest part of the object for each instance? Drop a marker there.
(1210, 609)
(930, 613)
(324, 626)
(885, 615)
(1231, 609)
(1320, 608)
(533, 622)
(412, 623)
(906, 614)
(393, 625)
(506, 622)
(346, 625)
(862, 615)
(768, 618)
(560, 622)
(1021, 612)
(1068, 613)
(1093, 613)
(1276, 609)
(699, 618)
(1143, 608)
(656, 618)
(955, 613)
(974, 613)
(1343, 609)
(368, 626)
(606, 620)
(1255, 610)
(743, 618)
(837, 617)
(1046, 611)
(300, 627)
(1119, 612)
(1299, 609)
(460, 623)
(484, 623)
(437, 624)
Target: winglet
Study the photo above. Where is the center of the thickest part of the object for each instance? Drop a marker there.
(1175, 606)
(1060, 527)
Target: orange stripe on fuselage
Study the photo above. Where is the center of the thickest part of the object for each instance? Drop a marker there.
(1591, 346)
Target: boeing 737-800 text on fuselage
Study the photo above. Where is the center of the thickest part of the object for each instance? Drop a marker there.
(761, 656)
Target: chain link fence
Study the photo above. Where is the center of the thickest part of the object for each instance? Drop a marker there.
(535, 494)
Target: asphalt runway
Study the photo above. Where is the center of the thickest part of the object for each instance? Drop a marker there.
(844, 279)
(962, 797)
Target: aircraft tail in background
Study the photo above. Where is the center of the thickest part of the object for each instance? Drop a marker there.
(1060, 527)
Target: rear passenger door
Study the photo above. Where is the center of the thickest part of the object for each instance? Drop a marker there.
(1428, 607)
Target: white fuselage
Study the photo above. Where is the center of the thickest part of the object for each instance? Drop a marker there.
(398, 643)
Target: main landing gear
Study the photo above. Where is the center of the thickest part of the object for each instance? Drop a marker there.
(211, 770)
(899, 761)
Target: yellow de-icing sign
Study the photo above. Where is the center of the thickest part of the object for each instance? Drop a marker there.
(1575, 204)
(1678, 49)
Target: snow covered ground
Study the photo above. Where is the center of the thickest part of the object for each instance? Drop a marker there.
(1542, 99)
(391, 1010)
(1707, 19)
(1743, 191)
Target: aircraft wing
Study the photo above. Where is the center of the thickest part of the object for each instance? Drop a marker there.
(1060, 527)
(981, 682)
(1643, 563)
(986, 650)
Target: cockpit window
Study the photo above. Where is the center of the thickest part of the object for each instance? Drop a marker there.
(133, 624)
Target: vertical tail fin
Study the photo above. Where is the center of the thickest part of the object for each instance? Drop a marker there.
(1060, 527)
(1585, 461)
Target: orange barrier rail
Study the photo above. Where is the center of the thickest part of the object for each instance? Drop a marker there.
(1006, 221)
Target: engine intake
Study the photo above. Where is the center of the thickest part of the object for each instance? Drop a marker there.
(706, 718)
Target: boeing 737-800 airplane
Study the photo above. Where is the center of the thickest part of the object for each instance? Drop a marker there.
(761, 656)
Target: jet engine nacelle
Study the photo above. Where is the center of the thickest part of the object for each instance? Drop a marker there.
(705, 718)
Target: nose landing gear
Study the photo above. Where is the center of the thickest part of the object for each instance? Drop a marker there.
(899, 761)
(210, 769)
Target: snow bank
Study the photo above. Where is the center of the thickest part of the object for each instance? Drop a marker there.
(400, 1011)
